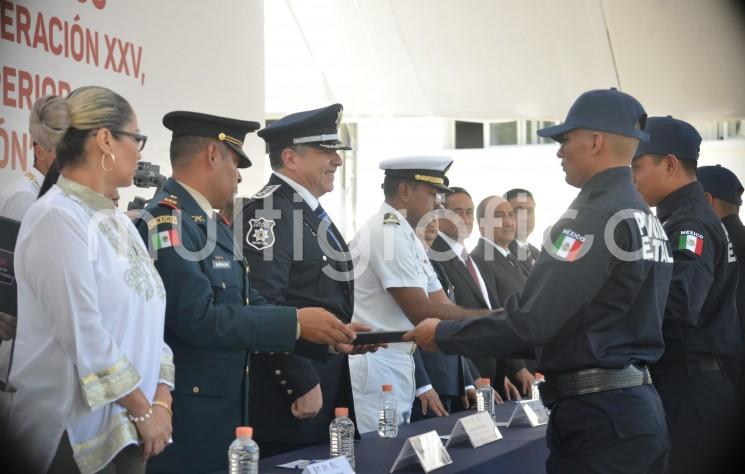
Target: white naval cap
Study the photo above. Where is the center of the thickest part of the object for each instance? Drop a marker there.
(425, 169)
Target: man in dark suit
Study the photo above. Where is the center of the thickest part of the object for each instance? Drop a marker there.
(444, 384)
(472, 288)
(523, 204)
(497, 226)
(298, 257)
(213, 317)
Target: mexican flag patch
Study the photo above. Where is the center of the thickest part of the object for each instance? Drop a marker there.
(567, 246)
(692, 241)
(165, 239)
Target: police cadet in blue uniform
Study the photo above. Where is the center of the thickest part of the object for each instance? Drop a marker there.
(724, 192)
(700, 326)
(592, 306)
(213, 317)
(298, 257)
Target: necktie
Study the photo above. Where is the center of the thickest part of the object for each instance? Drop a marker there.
(511, 258)
(470, 267)
(321, 213)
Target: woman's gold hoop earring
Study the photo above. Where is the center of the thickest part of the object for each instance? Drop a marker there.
(103, 161)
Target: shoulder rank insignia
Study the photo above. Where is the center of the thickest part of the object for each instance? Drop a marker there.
(391, 218)
(266, 191)
(170, 201)
(260, 233)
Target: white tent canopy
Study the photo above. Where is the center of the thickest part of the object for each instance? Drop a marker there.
(503, 59)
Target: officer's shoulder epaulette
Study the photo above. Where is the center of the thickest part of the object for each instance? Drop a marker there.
(169, 201)
(391, 218)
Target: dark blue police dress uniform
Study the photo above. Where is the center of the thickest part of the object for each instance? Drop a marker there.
(302, 276)
(700, 330)
(589, 310)
(213, 320)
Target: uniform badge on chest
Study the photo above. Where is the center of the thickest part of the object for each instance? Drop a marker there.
(260, 233)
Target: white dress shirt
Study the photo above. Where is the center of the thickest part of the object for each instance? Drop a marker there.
(389, 256)
(91, 309)
(458, 249)
(307, 196)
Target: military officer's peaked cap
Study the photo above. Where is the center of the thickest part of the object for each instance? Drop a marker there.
(670, 136)
(230, 131)
(423, 169)
(721, 183)
(318, 128)
(602, 110)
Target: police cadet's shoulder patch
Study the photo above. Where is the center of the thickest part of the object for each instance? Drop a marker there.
(568, 244)
(391, 218)
(265, 191)
(690, 240)
(260, 233)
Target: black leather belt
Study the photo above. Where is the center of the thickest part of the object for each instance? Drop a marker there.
(583, 382)
(687, 367)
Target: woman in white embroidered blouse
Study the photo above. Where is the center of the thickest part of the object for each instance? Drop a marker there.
(91, 368)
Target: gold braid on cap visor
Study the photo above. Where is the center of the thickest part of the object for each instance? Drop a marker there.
(429, 179)
(227, 138)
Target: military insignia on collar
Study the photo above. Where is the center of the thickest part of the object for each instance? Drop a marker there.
(198, 219)
(260, 233)
(391, 218)
(265, 191)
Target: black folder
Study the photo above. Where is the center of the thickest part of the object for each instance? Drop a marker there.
(8, 235)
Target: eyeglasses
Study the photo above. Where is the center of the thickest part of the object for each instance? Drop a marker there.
(139, 139)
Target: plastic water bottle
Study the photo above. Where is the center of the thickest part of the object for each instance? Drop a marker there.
(341, 435)
(388, 415)
(243, 454)
(485, 398)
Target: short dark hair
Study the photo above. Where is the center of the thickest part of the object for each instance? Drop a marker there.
(185, 146)
(390, 185)
(689, 166)
(456, 190)
(275, 156)
(515, 192)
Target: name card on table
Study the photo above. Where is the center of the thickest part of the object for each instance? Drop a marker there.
(425, 449)
(479, 429)
(337, 465)
(522, 413)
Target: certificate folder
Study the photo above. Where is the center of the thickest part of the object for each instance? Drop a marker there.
(8, 234)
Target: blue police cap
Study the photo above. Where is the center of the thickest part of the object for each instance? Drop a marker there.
(670, 136)
(603, 110)
(318, 128)
(232, 132)
(721, 183)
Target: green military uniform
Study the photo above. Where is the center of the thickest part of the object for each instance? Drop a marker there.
(213, 321)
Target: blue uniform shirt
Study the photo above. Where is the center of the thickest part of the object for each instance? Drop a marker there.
(583, 305)
(700, 315)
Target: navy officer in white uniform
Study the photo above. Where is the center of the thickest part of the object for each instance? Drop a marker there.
(395, 285)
